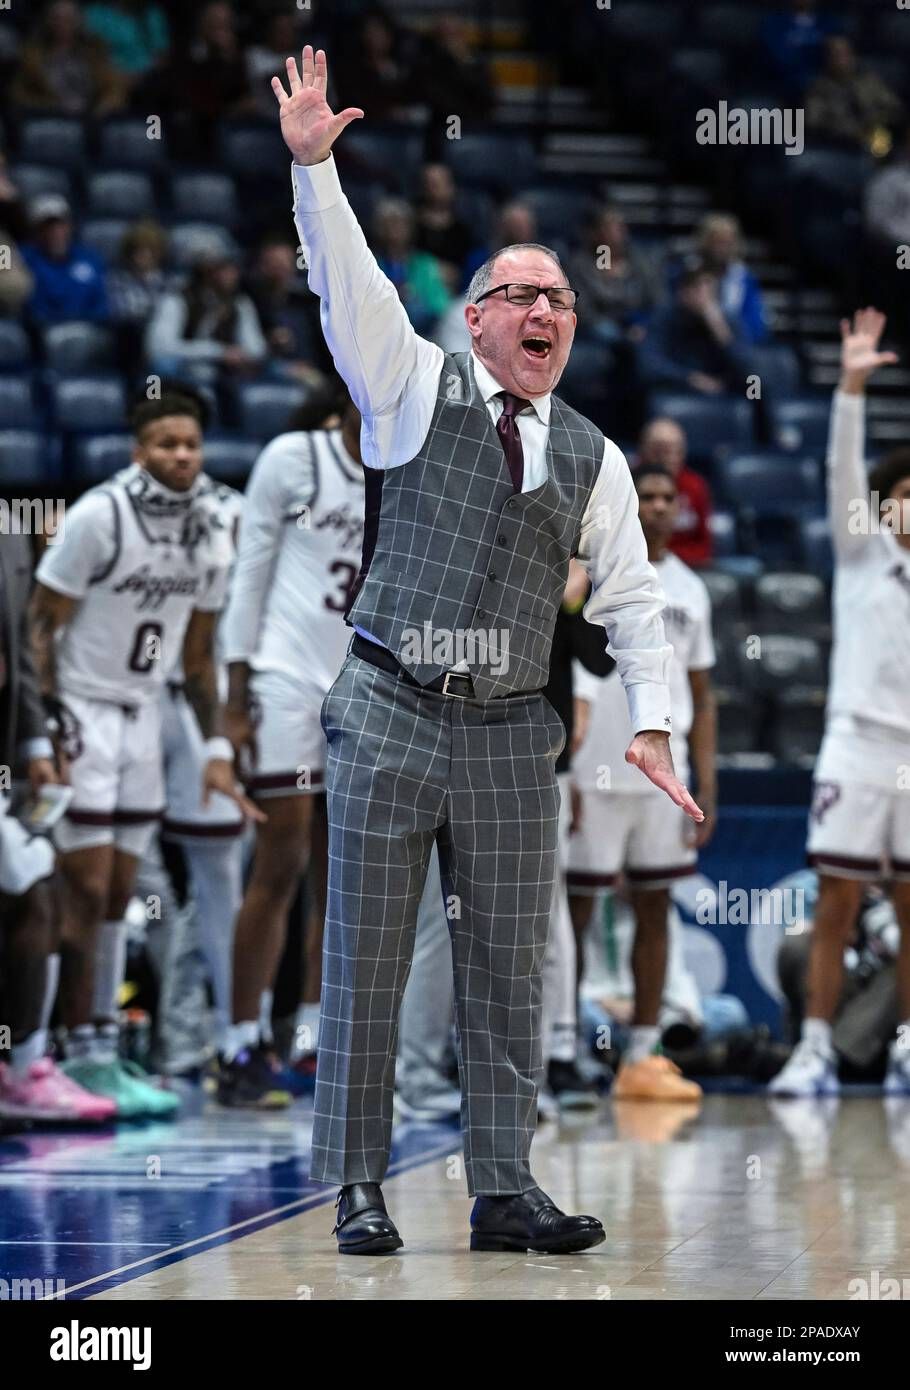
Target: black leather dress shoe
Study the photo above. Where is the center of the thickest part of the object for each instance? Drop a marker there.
(531, 1221)
(363, 1226)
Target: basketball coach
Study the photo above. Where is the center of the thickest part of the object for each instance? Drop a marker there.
(480, 485)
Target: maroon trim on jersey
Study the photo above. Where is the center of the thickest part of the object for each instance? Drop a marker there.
(901, 866)
(843, 861)
(137, 817)
(585, 880)
(198, 830)
(283, 782)
(642, 876)
(90, 817)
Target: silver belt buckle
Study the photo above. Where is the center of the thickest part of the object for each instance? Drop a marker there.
(453, 695)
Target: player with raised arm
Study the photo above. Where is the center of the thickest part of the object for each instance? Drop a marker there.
(859, 821)
(134, 587)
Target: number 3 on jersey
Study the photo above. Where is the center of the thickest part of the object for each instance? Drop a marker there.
(340, 603)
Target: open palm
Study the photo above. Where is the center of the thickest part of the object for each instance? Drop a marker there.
(309, 125)
(860, 356)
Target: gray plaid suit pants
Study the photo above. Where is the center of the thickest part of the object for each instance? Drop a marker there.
(406, 767)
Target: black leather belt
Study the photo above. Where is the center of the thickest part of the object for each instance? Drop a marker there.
(460, 687)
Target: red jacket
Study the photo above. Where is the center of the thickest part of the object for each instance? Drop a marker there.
(692, 534)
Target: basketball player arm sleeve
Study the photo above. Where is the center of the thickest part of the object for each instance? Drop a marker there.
(391, 372)
(265, 514)
(626, 596)
(848, 484)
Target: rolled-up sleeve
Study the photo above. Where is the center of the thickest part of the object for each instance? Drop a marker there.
(626, 596)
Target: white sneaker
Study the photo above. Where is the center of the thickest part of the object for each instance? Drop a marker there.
(897, 1079)
(808, 1072)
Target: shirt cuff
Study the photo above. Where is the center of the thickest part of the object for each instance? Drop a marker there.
(649, 707)
(585, 685)
(39, 747)
(316, 186)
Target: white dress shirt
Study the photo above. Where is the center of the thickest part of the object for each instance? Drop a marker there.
(393, 377)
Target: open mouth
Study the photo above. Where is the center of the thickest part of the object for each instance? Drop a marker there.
(538, 348)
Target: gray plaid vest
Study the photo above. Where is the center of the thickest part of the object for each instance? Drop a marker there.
(455, 562)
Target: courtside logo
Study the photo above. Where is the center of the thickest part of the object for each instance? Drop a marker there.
(75, 1343)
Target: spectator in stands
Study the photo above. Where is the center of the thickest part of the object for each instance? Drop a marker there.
(415, 274)
(887, 200)
(288, 311)
(516, 223)
(719, 244)
(209, 330)
(136, 284)
(135, 33)
(263, 60)
(69, 279)
(378, 73)
(851, 105)
(16, 282)
(618, 283)
(663, 444)
(692, 343)
(64, 69)
(793, 43)
(452, 80)
(210, 83)
(439, 229)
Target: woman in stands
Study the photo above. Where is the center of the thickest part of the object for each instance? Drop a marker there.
(859, 824)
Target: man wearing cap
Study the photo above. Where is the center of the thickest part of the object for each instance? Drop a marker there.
(69, 278)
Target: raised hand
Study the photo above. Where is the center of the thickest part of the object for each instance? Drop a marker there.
(860, 356)
(649, 751)
(308, 124)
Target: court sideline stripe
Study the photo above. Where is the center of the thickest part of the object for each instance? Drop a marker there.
(228, 1234)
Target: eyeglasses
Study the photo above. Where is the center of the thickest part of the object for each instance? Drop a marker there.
(560, 296)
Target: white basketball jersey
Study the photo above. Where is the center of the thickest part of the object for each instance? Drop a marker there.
(301, 538)
(138, 576)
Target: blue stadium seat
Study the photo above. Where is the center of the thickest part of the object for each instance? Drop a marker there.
(726, 593)
(229, 458)
(651, 23)
(392, 155)
(17, 403)
(799, 424)
(767, 482)
(120, 193)
(722, 526)
(777, 660)
(104, 235)
(204, 197)
(798, 723)
(729, 27)
(363, 198)
(816, 553)
(129, 142)
(15, 347)
(78, 346)
(56, 140)
(839, 173)
(791, 599)
(556, 208)
(703, 67)
(32, 179)
(252, 151)
(90, 402)
(494, 160)
(189, 240)
(24, 457)
(778, 367)
(738, 723)
(100, 456)
(264, 408)
(710, 422)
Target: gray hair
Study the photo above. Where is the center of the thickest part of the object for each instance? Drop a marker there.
(482, 279)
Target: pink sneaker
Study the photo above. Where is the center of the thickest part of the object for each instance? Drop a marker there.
(45, 1093)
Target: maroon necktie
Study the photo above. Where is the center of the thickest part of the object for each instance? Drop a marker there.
(507, 429)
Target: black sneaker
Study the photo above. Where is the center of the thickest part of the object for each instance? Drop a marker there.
(249, 1082)
(571, 1090)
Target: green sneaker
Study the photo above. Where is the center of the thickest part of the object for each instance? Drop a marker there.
(135, 1098)
(158, 1102)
